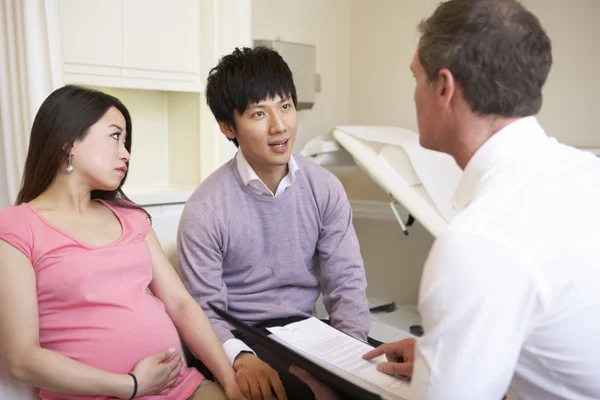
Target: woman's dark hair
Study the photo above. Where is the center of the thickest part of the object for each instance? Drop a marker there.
(65, 116)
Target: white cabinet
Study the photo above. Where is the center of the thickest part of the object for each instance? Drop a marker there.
(155, 55)
(161, 35)
(142, 44)
(91, 32)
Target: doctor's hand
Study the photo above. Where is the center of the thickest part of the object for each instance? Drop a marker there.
(400, 356)
(257, 380)
(320, 390)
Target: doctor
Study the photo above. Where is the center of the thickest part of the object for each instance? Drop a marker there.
(509, 295)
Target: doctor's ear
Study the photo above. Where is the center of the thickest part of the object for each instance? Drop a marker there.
(227, 129)
(445, 86)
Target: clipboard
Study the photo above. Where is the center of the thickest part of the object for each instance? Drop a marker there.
(347, 389)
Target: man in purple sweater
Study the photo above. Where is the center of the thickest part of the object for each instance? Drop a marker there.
(268, 232)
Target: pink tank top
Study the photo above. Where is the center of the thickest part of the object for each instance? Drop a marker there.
(94, 306)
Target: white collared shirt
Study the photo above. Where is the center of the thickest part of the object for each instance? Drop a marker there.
(251, 179)
(511, 292)
(233, 347)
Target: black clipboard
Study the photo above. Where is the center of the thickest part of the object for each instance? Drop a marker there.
(288, 356)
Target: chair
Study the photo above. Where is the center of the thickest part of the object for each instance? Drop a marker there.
(170, 250)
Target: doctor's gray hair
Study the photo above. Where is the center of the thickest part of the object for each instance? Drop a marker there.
(496, 50)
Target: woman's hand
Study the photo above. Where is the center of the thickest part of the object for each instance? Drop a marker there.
(157, 373)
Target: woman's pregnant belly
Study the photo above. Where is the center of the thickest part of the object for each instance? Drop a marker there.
(113, 337)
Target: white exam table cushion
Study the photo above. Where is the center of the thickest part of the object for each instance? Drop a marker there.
(423, 181)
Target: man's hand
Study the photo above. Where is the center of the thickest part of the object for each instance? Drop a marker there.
(400, 356)
(320, 390)
(257, 380)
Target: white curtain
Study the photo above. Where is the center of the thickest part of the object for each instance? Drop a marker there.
(30, 69)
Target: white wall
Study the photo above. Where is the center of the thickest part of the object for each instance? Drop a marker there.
(383, 41)
(570, 97)
(325, 24)
(364, 48)
(384, 38)
(393, 261)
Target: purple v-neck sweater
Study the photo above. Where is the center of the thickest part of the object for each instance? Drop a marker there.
(264, 257)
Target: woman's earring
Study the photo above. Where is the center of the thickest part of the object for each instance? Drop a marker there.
(69, 169)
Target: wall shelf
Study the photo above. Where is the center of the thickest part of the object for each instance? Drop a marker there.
(166, 149)
(160, 196)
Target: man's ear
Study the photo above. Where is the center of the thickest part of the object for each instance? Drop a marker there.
(445, 86)
(227, 129)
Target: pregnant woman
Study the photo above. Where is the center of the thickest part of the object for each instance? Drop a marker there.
(90, 307)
